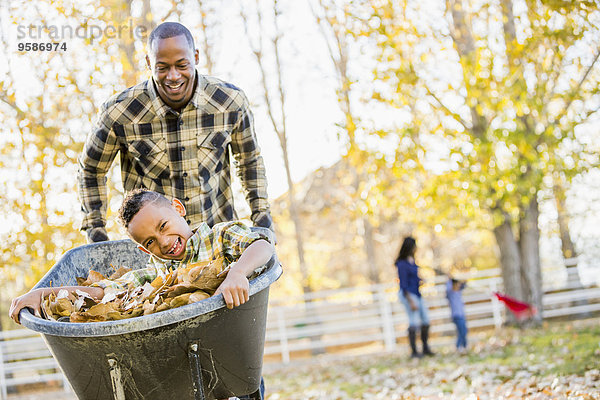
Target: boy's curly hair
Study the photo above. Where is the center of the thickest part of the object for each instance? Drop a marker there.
(135, 200)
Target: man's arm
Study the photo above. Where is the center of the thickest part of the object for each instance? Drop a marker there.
(98, 153)
(251, 168)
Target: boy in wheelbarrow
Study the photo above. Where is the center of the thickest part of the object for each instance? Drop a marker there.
(158, 226)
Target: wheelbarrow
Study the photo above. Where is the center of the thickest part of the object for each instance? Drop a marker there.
(198, 351)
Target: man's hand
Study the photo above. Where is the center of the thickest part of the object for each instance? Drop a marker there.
(96, 234)
(31, 300)
(235, 289)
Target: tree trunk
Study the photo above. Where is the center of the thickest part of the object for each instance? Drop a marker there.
(294, 215)
(510, 261)
(567, 247)
(531, 272)
(370, 250)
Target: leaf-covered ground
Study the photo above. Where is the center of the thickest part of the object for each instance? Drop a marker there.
(556, 361)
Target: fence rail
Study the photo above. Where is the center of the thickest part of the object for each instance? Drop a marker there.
(329, 321)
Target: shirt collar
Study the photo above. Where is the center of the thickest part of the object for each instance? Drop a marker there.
(198, 99)
(160, 108)
(192, 245)
(191, 248)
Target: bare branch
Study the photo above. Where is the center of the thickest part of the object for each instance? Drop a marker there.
(446, 109)
(575, 90)
(258, 53)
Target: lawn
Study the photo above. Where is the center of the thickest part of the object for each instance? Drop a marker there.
(560, 360)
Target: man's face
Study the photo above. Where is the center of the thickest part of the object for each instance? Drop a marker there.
(161, 229)
(172, 62)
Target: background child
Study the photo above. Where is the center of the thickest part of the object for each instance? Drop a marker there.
(454, 290)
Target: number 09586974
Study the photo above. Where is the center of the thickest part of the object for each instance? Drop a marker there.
(48, 46)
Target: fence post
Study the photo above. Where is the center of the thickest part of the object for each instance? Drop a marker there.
(3, 390)
(387, 323)
(285, 351)
(496, 309)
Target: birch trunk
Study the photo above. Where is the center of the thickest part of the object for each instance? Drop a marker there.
(531, 273)
(510, 261)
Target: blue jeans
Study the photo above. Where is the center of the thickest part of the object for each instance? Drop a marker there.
(461, 332)
(417, 317)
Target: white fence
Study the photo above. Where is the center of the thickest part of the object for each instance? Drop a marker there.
(331, 321)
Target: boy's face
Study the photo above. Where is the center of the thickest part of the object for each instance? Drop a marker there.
(161, 229)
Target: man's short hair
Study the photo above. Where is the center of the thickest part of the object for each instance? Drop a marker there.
(136, 200)
(168, 30)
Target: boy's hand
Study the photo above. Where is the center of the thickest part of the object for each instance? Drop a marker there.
(32, 300)
(235, 289)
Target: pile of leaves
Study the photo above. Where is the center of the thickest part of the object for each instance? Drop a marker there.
(188, 284)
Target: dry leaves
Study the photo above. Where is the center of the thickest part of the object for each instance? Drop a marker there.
(189, 284)
(491, 372)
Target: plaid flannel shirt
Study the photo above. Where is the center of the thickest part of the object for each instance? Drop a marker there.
(184, 155)
(226, 239)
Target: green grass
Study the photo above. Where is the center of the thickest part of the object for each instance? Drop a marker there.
(548, 351)
(352, 388)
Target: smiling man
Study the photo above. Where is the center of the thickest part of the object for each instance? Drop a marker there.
(175, 133)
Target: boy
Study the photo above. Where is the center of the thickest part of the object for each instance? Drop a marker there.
(454, 290)
(159, 228)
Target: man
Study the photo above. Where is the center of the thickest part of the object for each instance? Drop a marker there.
(174, 133)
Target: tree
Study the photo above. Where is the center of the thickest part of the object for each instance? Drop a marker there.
(501, 90)
(275, 105)
(336, 24)
(47, 102)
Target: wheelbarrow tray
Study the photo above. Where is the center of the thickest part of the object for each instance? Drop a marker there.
(198, 351)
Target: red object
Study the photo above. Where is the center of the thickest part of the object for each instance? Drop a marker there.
(518, 308)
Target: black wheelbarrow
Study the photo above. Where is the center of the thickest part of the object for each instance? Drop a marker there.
(198, 351)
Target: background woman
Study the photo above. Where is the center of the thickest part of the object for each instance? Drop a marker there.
(408, 273)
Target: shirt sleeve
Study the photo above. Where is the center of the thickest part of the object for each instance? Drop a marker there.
(232, 238)
(250, 167)
(134, 278)
(402, 275)
(98, 153)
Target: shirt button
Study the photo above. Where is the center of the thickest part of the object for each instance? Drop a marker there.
(182, 148)
(184, 174)
(189, 222)
(180, 122)
(187, 199)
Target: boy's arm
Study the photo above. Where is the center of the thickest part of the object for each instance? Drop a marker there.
(33, 299)
(235, 287)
